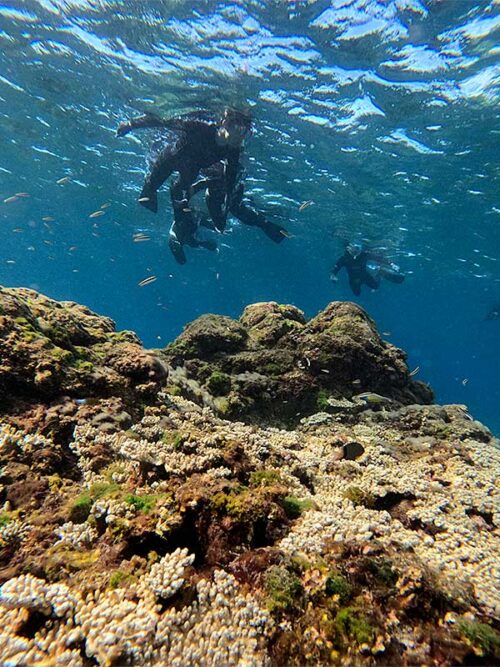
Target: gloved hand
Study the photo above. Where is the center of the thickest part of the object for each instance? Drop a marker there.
(123, 129)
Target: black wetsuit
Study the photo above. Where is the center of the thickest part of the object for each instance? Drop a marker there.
(493, 313)
(359, 274)
(219, 203)
(195, 149)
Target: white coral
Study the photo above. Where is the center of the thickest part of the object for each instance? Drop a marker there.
(14, 531)
(77, 535)
(166, 577)
(221, 627)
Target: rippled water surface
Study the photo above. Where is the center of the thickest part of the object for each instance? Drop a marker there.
(383, 113)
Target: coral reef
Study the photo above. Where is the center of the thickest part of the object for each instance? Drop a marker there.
(140, 527)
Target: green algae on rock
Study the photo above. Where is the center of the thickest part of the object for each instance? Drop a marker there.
(136, 521)
(272, 365)
(50, 349)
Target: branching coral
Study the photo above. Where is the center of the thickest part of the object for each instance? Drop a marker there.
(221, 626)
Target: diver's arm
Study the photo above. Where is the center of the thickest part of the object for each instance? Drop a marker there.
(146, 121)
(232, 170)
(340, 264)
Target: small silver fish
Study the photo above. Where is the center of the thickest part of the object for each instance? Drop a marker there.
(97, 214)
(414, 371)
(147, 281)
(143, 199)
(10, 200)
(305, 205)
(62, 181)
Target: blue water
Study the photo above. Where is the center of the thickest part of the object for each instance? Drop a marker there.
(383, 113)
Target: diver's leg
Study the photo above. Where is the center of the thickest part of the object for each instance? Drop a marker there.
(207, 244)
(160, 169)
(216, 203)
(372, 281)
(193, 242)
(392, 276)
(175, 246)
(355, 285)
(207, 223)
(248, 216)
(179, 193)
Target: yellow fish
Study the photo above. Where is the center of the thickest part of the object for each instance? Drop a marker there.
(372, 397)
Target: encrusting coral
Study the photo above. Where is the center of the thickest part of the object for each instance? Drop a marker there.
(139, 527)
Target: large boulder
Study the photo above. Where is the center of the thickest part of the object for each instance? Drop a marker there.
(274, 366)
(51, 349)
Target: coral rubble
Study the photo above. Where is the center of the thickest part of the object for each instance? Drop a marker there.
(155, 509)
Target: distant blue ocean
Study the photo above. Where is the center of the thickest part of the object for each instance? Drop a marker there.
(381, 114)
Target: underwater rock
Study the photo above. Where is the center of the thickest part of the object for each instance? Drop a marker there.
(267, 322)
(58, 351)
(208, 335)
(277, 367)
(141, 528)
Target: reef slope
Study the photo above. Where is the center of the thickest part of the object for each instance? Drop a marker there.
(142, 524)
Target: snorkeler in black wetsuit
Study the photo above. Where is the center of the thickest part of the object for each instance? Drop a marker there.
(366, 267)
(493, 313)
(201, 141)
(219, 204)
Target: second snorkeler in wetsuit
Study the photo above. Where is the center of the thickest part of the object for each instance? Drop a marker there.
(365, 267)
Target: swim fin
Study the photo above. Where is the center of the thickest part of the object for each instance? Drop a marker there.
(149, 199)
